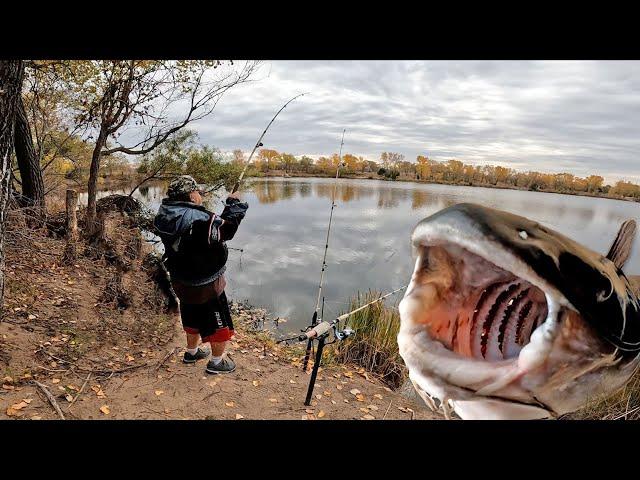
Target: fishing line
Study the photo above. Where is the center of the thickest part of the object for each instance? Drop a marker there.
(333, 205)
(314, 320)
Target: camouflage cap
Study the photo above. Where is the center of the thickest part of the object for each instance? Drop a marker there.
(184, 184)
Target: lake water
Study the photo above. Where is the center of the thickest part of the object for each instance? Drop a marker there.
(283, 235)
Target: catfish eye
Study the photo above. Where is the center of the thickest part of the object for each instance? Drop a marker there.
(523, 234)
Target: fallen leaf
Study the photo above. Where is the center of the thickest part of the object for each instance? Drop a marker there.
(309, 410)
(360, 397)
(255, 383)
(365, 410)
(69, 398)
(230, 404)
(159, 392)
(8, 387)
(318, 396)
(238, 416)
(369, 417)
(12, 412)
(105, 409)
(32, 317)
(333, 401)
(55, 380)
(354, 391)
(378, 396)
(36, 417)
(292, 381)
(326, 393)
(213, 383)
(7, 379)
(19, 406)
(372, 407)
(339, 387)
(321, 414)
(130, 358)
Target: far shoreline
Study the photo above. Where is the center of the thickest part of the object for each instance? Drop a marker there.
(279, 174)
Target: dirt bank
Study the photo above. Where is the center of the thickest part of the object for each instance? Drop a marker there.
(102, 358)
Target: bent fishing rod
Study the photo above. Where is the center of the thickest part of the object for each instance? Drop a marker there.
(321, 331)
(260, 144)
(314, 319)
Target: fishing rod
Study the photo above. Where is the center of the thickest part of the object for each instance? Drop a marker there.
(260, 144)
(321, 331)
(314, 319)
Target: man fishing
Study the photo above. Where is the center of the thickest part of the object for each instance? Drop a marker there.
(195, 255)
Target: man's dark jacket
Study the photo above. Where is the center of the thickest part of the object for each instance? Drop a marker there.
(194, 238)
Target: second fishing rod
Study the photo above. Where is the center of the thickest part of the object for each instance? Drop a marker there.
(315, 320)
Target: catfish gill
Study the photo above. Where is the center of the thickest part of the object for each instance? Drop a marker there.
(507, 319)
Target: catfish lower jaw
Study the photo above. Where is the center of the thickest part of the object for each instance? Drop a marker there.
(471, 306)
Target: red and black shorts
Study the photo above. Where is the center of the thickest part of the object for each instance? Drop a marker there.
(205, 312)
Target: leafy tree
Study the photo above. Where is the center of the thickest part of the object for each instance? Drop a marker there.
(305, 163)
(112, 97)
(594, 183)
(238, 157)
(268, 158)
(207, 165)
(289, 161)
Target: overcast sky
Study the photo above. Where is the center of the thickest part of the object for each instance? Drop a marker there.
(570, 116)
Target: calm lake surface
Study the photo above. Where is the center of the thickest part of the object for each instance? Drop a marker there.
(283, 235)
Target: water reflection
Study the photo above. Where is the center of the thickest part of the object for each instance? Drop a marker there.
(284, 231)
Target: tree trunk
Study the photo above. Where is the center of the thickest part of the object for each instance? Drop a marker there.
(28, 163)
(11, 73)
(90, 220)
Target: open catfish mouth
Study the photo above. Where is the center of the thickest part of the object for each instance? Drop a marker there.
(473, 307)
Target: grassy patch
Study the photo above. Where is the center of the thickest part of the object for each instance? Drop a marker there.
(622, 405)
(374, 344)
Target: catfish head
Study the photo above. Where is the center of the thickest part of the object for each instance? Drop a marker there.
(507, 319)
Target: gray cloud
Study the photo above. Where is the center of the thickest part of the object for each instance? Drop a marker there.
(573, 116)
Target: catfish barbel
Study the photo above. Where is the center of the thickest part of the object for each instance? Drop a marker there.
(507, 319)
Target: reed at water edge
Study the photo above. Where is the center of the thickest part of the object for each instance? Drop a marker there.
(374, 345)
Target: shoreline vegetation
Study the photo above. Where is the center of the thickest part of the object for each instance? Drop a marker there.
(283, 174)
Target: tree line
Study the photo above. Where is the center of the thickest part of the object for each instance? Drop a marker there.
(392, 165)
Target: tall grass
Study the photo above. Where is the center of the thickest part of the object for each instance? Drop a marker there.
(374, 344)
(622, 405)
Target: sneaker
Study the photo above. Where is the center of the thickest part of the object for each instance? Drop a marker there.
(199, 355)
(226, 365)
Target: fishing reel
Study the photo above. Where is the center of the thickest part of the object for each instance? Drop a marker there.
(344, 333)
(322, 329)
